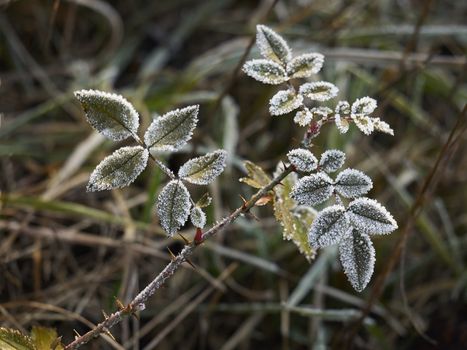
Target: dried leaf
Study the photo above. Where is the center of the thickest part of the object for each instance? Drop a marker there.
(329, 227)
(370, 217)
(203, 170)
(173, 206)
(285, 101)
(352, 183)
(204, 201)
(110, 114)
(265, 71)
(173, 130)
(271, 45)
(264, 200)
(313, 189)
(305, 65)
(256, 176)
(332, 160)
(119, 169)
(319, 90)
(11, 339)
(302, 159)
(44, 338)
(357, 256)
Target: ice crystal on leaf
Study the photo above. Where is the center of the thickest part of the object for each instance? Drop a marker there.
(110, 114)
(313, 189)
(342, 124)
(370, 217)
(303, 159)
(257, 177)
(119, 169)
(357, 256)
(197, 217)
(352, 183)
(203, 170)
(321, 111)
(265, 71)
(271, 45)
(364, 123)
(342, 109)
(303, 117)
(329, 227)
(305, 65)
(319, 90)
(173, 130)
(173, 206)
(285, 101)
(365, 105)
(382, 126)
(332, 160)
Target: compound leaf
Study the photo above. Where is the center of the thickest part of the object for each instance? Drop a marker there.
(271, 45)
(119, 169)
(329, 227)
(265, 71)
(203, 170)
(173, 206)
(313, 189)
(352, 183)
(370, 217)
(110, 114)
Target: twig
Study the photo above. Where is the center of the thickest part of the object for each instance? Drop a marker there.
(138, 303)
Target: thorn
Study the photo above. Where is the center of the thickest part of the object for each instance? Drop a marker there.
(172, 255)
(77, 335)
(245, 202)
(184, 239)
(198, 236)
(120, 305)
(135, 315)
(106, 331)
(105, 314)
(191, 264)
(253, 216)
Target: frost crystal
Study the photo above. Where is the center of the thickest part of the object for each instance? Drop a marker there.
(357, 256)
(265, 71)
(329, 227)
(173, 206)
(319, 91)
(197, 217)
(203, 170)
(332, 160)
(352, 183)
(368, 216)
(313, 189)
(119, 169)
(305, 65)
(272, 45)
(303, 117)
(382, 126)
(364, 123)
(110, 114)
(172, 130)
(365, 105)
(285, 101)
(303, 159)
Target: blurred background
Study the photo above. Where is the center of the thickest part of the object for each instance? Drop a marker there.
(66, 254)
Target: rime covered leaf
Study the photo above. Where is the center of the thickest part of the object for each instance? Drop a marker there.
(319, 90)
(11, 339)
(321, 112)
(329, 227)
(370, 217)
(204, 201)
(197, 217)
(379, 125)
(271, 45)
(110, 114)
(295, 221)
(285, 101)
(44, 338)
(303, 159)
(342, 110)
(173, 206)
(332, 160)
(313, 189)
(357, 256)
(303, 117)
(119, 169)
(305, 65)
(365, 106)
(342, 124)
(257, 178)
(265, 71)
(352, 183)
(203, 170)
(364, 123)
(172, 130)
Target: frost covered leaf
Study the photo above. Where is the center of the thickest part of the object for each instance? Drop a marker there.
(365, 106)
(379, 125)
(319, 90)
(173, 206)
(332, 160)
(352, 183)
(265, 71)
(342, 124)
(257, 177)
(368, 216)
(364, 123)
(197, 217)
(285, 101)
(119, 169)
(44, 338)
(271, 45)
(203, 170)
(313, 189)
(342, 110)
(204, 201)
(110, 114)
(303, 159)
(172, 130)
(305, 65)
(329, 227)
(357, 256)
(303, 117)
(321, 112)
(12, 339)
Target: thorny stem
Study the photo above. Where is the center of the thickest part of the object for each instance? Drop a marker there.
(138, 303)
